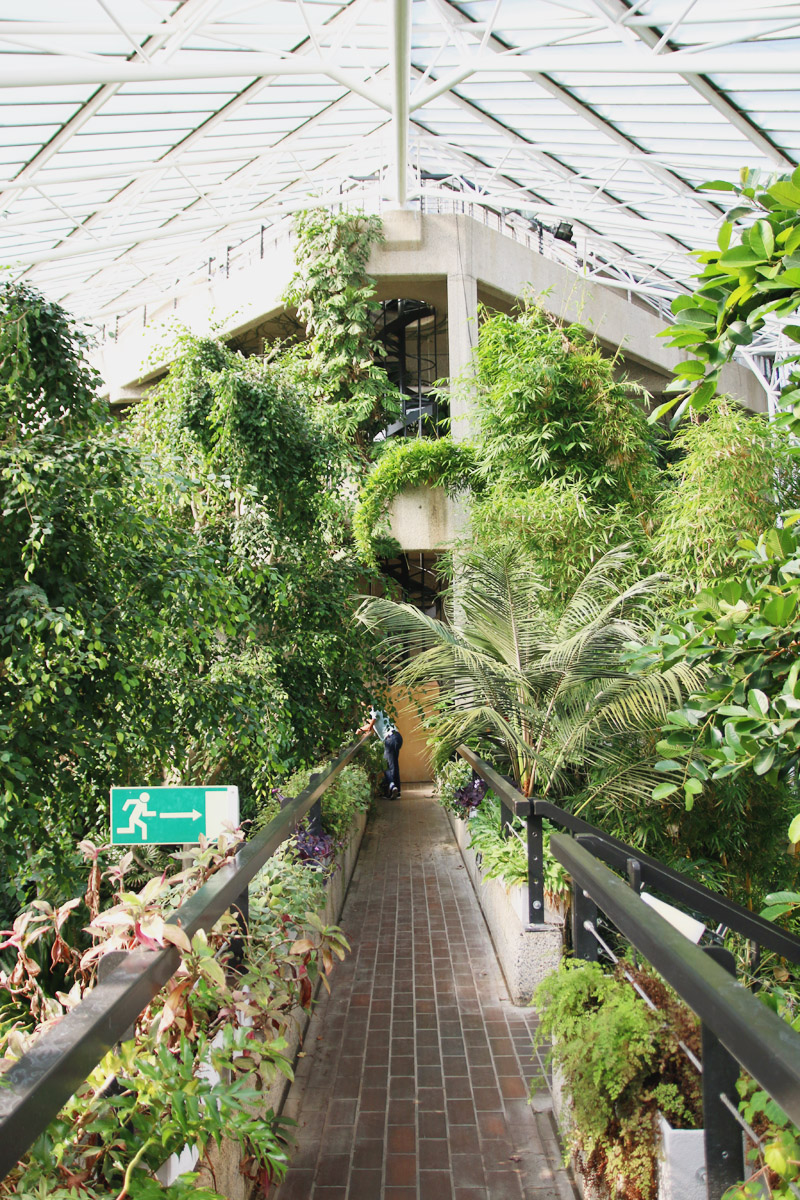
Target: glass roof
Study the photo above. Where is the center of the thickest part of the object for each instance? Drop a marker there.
(142, 138)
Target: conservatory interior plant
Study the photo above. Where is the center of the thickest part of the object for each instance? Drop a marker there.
(619, 1064)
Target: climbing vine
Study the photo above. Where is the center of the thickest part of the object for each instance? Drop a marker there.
(335, 300)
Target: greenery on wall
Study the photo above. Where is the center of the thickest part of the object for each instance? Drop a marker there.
(410, 463)
(335, 300)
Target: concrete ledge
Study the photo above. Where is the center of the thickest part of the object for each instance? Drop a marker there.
(526, 956)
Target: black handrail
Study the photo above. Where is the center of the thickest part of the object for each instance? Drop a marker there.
(766, 1046)
(36, 1088)
(619, 854)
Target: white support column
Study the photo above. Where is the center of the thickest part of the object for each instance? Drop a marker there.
(462, 338)
(401, 80)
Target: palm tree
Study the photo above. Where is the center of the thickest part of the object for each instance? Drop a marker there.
(550, 691)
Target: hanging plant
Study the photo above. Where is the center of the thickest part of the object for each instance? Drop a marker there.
(410, 463)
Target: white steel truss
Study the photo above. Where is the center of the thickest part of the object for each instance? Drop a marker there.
(144, 137)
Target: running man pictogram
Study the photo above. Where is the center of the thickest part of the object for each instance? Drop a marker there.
(138, 811)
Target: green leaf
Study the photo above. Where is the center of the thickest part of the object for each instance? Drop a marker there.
(739, 333)
(764, 760)
(741, 256)
(785, 193)
(662, 790)
(696, 316)
(758, 700)
(692, 368)
(762, 239)
(794, 829)
(701, 396)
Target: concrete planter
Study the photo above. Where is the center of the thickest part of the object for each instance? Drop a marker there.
(526, 955)
(220, 1169)
(681, 1163)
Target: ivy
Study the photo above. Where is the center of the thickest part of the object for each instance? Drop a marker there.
(266, 482)
(335, 300)
(409, 463)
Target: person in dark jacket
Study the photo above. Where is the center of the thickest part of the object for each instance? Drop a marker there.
(392, 740)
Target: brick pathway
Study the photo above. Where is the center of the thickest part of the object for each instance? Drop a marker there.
(413, 1082)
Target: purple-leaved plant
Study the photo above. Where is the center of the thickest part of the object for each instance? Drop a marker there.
(470, 795)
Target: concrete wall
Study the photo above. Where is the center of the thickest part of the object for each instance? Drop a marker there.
(441, 258)
(422, 519)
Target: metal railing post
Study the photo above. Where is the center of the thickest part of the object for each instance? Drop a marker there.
(723, 1134)
(241, 910)
(535, 869)
(584, 913)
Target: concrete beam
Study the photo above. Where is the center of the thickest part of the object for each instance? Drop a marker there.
(419, 252)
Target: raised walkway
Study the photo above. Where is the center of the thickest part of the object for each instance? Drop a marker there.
(414, 1080)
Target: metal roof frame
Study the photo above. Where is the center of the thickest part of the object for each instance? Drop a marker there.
(142, 135)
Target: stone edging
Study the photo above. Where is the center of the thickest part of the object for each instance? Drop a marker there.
(526, 955)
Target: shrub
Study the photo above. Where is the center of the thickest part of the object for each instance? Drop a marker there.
(203, 1052)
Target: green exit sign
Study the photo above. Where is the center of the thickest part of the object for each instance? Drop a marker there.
(154, 816)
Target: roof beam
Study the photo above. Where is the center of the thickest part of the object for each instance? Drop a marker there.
(653, 38)
(192, 12)
(663, 174)
(556, 166)
(539, 202)
(58, 71)
(143, 180)
(250, 65)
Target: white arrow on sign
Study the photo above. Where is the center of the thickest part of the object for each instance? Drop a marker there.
(194, 815)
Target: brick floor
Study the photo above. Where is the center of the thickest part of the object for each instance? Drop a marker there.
(414, 1077)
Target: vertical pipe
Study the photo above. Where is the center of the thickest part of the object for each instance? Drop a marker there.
(401, 74)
